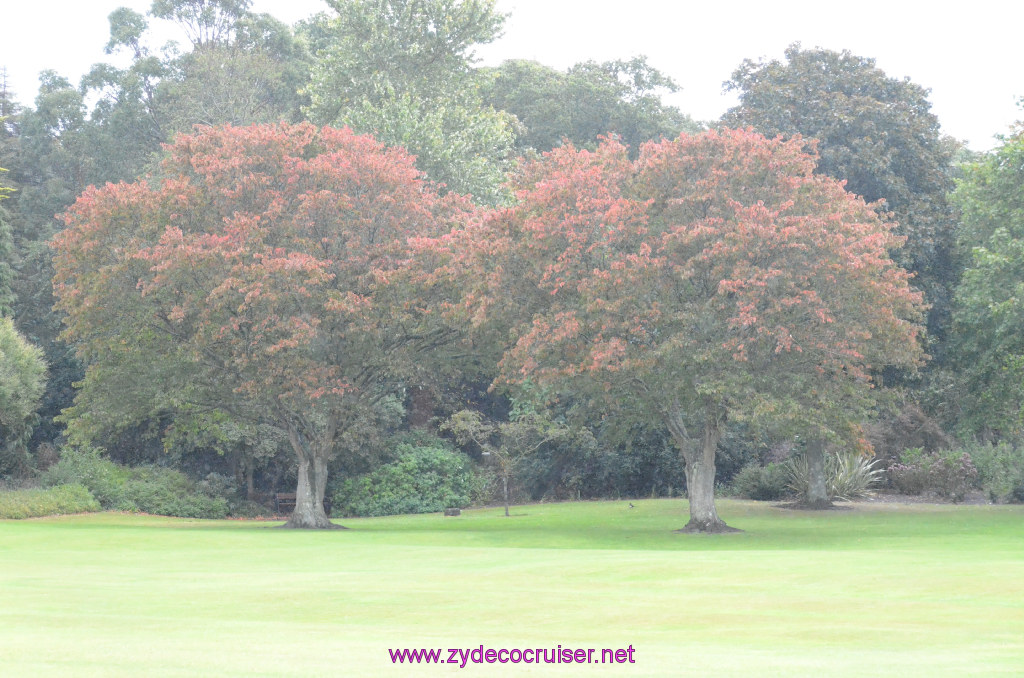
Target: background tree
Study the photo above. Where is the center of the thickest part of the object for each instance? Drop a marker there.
(22, 378)
(205, 22)
(402, 71)
(242, 68)
(987, 386)
(51, 163)
(590, 99)
(6, 254)
(715, 277)
(875, 132)
(506, 444)
(264, 275)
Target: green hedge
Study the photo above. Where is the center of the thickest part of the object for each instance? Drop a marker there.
(49, 501)
(422, 480)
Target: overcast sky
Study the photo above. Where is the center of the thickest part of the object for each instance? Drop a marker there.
(967, 53)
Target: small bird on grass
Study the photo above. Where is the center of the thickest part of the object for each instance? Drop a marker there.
(631, 505)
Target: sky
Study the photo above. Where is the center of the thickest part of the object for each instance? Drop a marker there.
(967, 54)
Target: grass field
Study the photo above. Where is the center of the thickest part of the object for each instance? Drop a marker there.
(881, 590)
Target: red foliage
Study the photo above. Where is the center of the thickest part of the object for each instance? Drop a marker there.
(716, 268)
(270, 250)
(270, 268)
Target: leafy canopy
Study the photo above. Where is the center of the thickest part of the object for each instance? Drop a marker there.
(402, 70)
(988, 349)
(876, 133)
(590, 99)
(264, 274)
(715, 276)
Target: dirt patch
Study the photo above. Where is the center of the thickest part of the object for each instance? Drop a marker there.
(720, 528)
(798, 506)
(976, 498)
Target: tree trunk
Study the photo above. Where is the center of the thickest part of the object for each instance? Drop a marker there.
(422, 403)
(700, 473)
(817, 491)
(250, 480)
(504, 487)
(309, 493)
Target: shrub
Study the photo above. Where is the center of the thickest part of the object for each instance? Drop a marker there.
(848, 476)
(763, 483)
(34, 503)
(85, 465)
(1000, 470)
(146, 489)
(167, 492)
(422, 480)
(851, 476)
(249, 509)
(948, 473)
(952, 476)
(909, 475)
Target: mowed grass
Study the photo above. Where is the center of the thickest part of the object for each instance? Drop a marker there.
(880, 590)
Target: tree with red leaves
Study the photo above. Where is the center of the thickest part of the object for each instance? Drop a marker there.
(264, 275)
(717, 276)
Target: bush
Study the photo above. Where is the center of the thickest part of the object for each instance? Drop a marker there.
(848, 476)
(1000, 470)
(145, 489)
(763, 483)
(85, 465)
(34, 503)
(422, 480)
(851, 476)
(909, 475)
(952, 476)
(166, 492)
(948, 473)
(249, 509)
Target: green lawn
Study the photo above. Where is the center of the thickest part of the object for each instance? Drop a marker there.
(880, 590)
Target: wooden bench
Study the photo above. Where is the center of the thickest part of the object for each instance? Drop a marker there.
(284, 503)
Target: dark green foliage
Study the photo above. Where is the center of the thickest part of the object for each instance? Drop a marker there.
(988, 349)
(588, 100)
(1000, 470)
(422, 480)
(908, 427)
(650, 467)
(6, 258)
(52, 501)
(250, 509)
(51, 162)
(563, 471)
(763, 483)
(875, 132)
(169, 493)
(147, 489)
(86, 466)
